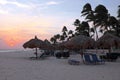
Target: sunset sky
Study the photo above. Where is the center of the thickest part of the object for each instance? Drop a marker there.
(21, 20)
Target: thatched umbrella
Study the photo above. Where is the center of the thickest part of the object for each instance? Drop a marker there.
(60, 46)
(48, 45)
(80, 42)
(108, 41)
(34, 43)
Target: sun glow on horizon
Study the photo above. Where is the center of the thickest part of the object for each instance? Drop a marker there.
(20, 28)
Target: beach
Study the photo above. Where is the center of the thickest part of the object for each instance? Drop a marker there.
(16, 65)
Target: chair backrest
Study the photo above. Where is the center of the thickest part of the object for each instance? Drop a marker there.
(94, 56)
(42, 55)
(87, 58)
(96, 59)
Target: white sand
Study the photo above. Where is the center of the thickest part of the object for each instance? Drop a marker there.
(18, 66)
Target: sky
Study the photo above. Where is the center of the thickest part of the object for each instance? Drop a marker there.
(21, 20)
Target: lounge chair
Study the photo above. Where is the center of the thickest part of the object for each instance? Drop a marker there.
(96, 59)
(88, 60)
(43, 56)
(111, 56)
(73, 62)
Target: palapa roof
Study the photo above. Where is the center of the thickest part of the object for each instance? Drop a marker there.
(80, 41)
(33, 43)
(48, 45)
(108, 40)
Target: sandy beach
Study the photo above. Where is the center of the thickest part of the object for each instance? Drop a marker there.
(18, 66)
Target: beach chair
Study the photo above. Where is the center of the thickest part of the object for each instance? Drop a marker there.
(73, 62)
(88, 60)
(96, 59)
(43, 56)
(111, 57)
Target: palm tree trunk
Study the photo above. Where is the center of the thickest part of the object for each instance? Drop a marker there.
(96, 33)
(96, 38)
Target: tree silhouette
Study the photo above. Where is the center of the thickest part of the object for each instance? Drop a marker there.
(99, 17)
(90, 17)
(70, 34)
(64, 33)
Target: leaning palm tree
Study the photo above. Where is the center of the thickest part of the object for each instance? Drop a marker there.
(105, 21)
(101, 17)
(87, 9)
(89, 16)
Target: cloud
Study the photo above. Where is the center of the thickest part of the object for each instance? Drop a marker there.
(52, 3)
(27, 6)
(4, 2)
(44, 5)
(20, 4)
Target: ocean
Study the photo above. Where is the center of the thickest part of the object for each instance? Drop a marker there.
(19, 50)
(13, 50)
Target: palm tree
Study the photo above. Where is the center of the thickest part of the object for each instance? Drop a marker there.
(62, 38)
(77, 22)
(70, 34)
(112, 26)
(64, 33)
(82, 28)
(86, 28)
(101, 17)
(119, 20)
(87, 10)
(90, 17)
(114, 23)
(64, 29)
(57, 37)
(105, 21)
(53, 40)
(118, 12)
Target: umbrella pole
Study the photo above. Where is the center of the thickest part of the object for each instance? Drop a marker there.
(82, 53)
(36, 52)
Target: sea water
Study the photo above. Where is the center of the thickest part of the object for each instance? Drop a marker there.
(20, 51)
(13, 50)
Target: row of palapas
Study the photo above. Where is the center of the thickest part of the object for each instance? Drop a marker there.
(78, 42)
